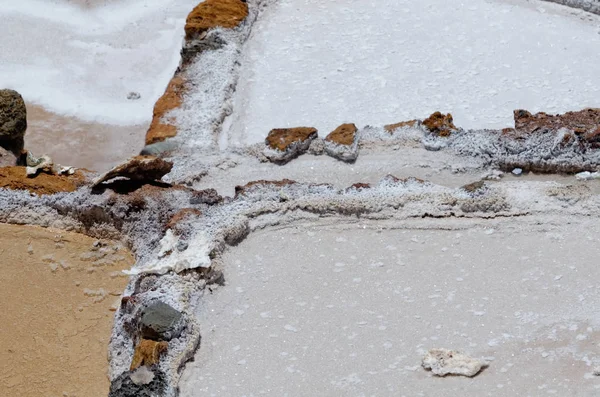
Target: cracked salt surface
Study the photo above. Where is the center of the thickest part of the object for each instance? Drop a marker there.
(346, 310)
(375, 62)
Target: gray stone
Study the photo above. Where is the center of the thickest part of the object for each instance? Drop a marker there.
(160, 322)
(13, 120)
(132, 96)
(7, 158)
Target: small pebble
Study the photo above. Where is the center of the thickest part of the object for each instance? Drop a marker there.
(517, 171)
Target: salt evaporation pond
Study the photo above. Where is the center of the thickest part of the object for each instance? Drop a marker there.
(75, 63)
(376, 62)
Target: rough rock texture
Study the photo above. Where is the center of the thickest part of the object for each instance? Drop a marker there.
(285, 144)
(7, 158)
(342, 143)
(345, 134)
(444, 362)
(215, 13)
(16, 178)
(124, 385)
(161, 128)
(13, 120)
(584, 123)
(160, 322)
(403, 124)
(138, 168)
(440, 124)
(148, 352)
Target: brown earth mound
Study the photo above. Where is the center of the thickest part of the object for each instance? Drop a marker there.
(282, 138)
(15, 178)
(343, 135)
(213, 13)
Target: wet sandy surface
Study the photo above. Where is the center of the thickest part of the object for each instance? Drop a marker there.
(351, 310)
(57, 291)
(73, 142)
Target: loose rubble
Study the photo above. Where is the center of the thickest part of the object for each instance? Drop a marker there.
(444, 362)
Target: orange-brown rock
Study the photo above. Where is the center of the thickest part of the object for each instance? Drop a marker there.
(440, 124)
(215, 13)
(345, 134)
(148, 352)
(585, 123)
(161, 129)
(180, 216)
(138, 168)
(282, 138)
(15, 178)
(393, 127)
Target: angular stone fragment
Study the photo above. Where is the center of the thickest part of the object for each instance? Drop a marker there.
(138, 168)
(7, 158)
(148, 352)
(444, 362)
(160, 322)
(342, 143)
(440, 124)
(285, 144)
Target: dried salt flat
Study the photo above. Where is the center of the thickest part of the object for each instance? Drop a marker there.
(76, 62)
(352, 310)
(375, 62)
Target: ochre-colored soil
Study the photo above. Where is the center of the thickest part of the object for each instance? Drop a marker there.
(58, 293)
(214, 13)
(281, 138)
(15, 178)
(148, 352)
(343, 135)
(161, 129)
(392, 127)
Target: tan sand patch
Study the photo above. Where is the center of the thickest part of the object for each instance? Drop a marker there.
(57, 290)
